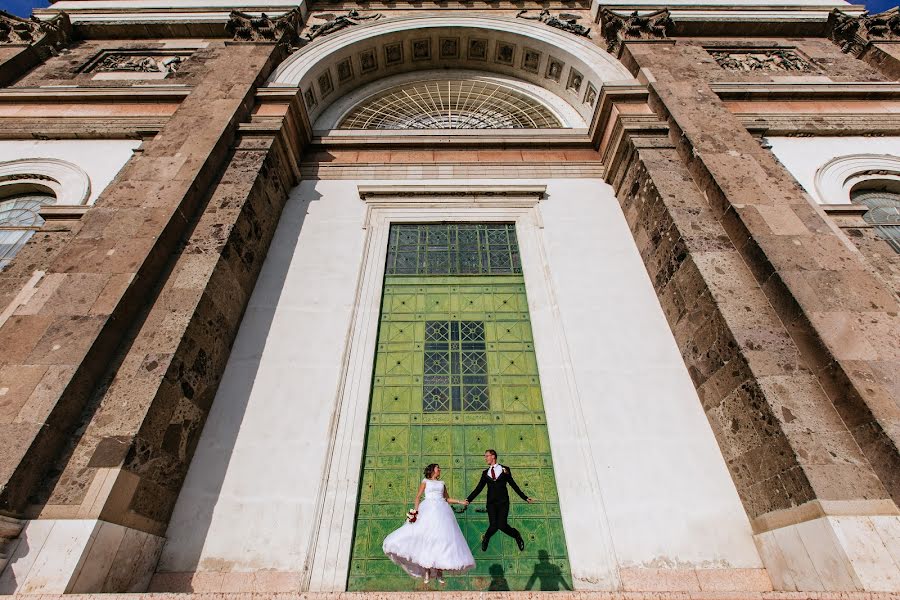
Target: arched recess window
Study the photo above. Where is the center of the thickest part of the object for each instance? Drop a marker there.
(19, 219)
(883, 202)
(463, 103)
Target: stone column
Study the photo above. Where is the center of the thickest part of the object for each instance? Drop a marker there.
(774, 315)
(126, 335)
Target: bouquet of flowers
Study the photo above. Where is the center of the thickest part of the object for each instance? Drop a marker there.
(411, 516)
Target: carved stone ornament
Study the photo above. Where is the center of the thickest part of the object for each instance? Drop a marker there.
(763, 59)
(565, 21)
(139, 63)
(337, 22)
(855, 34)
(56, 32)
(618, 28)
(284, 29)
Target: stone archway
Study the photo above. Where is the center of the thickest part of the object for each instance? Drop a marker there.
(570, 67)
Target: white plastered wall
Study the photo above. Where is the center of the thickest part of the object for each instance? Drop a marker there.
(250, 499)
(804, 157)
(100, 159)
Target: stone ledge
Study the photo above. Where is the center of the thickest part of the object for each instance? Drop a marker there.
(476, 596)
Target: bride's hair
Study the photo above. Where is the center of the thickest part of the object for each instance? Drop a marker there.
(429, 470)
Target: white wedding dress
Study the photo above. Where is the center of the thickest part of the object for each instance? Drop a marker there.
(434, 541)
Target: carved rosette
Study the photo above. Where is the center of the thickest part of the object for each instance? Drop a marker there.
(54, 33)
(284, 29)
(618, 28)
(855, 34)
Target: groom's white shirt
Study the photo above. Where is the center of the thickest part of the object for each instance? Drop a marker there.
(497, 469)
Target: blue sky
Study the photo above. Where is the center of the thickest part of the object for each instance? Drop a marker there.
(876, 6)
(23, 7)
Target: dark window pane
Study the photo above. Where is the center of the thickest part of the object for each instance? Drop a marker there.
(435, 399)
(437, 330)
(497, 236)
(476, 398)
(455, 367)
(438, 263)
(473, 363)
(452, 249)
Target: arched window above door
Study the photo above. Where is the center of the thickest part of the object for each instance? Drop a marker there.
(464, 103)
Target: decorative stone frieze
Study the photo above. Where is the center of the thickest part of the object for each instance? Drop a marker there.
(564, 21)
(56, 32)
(761, 59)
(618, 28)
(855, 34)
(337, 22)
(139, 63)
(284, 29)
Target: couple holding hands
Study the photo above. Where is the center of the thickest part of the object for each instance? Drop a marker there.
(431, 540)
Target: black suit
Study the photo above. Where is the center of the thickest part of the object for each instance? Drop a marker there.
(498, 502)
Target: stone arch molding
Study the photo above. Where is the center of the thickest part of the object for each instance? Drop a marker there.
(67, 181)
(836, 179)
(573, 69)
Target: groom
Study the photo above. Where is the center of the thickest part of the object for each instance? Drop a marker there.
(495, 477)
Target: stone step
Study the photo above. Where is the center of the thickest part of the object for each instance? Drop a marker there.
(9, 533)
(437, 595)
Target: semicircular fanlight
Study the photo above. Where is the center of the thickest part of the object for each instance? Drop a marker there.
(450, 104)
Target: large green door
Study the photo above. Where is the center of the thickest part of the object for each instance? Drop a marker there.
(455, 374)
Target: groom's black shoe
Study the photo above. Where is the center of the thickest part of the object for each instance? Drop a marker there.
(520, 543)
(484, 543)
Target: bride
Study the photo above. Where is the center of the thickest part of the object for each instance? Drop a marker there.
(433, 542)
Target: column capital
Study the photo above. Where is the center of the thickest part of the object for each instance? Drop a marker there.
(855, 34)
(619, 28)
(54, 33)
(282, 30)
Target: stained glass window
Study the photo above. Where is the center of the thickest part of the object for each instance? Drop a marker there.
(455, 368)
(19, 219)
(453, 249)
(883, 215)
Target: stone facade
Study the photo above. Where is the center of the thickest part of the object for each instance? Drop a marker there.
(119, 317)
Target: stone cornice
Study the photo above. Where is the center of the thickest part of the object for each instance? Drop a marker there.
(106, 18)
(494, 138)
(780, 124)
(761, 91)
(623, 115)
(109, 94)
(416, 193)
